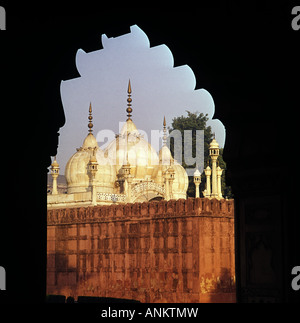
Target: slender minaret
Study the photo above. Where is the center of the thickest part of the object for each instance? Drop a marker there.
(219, 174)
(127, 178)
(169, 176)
(208, 185)
(54, 174)
(93, 168)
(167, 163)
(214, 154)
(165, 132)
(197, 181)
(171, 180)
(126, 167)
(93, 163)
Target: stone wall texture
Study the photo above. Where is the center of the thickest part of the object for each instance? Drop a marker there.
(167, 251)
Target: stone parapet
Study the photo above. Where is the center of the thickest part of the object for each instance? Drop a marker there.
(172, 208)
(166, 251)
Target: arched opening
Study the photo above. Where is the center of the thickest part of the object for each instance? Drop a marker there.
(158, 198)
(241, 72)
(148, 196)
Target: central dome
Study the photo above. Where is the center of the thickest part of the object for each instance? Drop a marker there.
(128, 170)
(130, 146)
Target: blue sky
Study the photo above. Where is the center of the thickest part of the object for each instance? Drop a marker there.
(158, 89)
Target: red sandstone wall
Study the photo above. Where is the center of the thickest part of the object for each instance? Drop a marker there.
(175, 251)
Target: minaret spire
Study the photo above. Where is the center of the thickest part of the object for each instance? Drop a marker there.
(129, 100)
(165, 132)
(90, 125)
(54, 174)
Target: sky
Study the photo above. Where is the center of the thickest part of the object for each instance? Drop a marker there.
(158, 89)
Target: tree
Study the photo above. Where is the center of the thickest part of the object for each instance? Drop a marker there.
(197, 121)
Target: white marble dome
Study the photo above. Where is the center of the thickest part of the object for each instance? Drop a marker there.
(76, 171)
(142, 157)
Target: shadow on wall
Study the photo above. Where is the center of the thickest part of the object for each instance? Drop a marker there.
(220, 289)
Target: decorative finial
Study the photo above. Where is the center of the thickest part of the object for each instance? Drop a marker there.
(90, 125)
(129, 100)
(55, 163)
(165, 132)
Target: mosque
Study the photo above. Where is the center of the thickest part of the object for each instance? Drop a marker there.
(106, 238)
(129, 170)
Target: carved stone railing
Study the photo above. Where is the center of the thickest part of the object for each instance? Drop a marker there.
(111, 197)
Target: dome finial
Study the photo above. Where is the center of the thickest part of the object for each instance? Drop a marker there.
(90, 125)
(165, 132)
(129, 100)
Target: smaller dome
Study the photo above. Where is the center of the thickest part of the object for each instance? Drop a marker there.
(214, 144)
(76, 171)
(207, 171)
(55, 163)
(197, 173)
(181, 181)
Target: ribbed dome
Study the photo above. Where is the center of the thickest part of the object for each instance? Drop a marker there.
(90, 142)
(129, 127)
(76, 171)
(141, 155)
(165, 156)
(181, 181)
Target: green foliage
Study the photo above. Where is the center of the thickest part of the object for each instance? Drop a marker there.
(197, 121)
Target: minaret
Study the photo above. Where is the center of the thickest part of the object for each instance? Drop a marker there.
(54, 174)
(197, 181)
(214, 154)
(93, 168)
(93, 163)
(165, 132)
(171, 180)
(208, 185)
(169, 176)
(167, 163)
(126, 168)
(219, 174)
